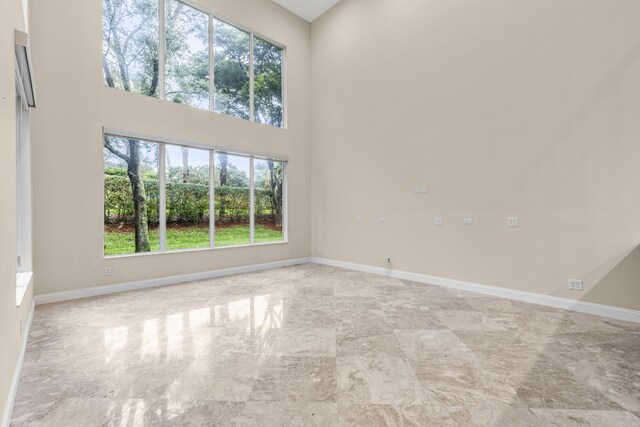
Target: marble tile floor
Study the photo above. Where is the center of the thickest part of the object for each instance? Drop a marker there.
(316, 345)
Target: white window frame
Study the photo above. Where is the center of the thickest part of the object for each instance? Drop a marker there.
(24, 262)
(213, 150)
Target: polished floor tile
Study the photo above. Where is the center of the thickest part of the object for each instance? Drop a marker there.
(313, 345)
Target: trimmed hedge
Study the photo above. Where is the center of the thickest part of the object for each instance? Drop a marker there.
(186, 203)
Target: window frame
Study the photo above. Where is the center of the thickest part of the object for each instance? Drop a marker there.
(23, 181)
(23, 224)
(213, 16)
(213, 149)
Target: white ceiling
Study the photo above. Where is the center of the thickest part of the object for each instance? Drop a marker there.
(307, 9)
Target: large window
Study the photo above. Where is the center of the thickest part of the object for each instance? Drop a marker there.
(171, 50)
(200, 198)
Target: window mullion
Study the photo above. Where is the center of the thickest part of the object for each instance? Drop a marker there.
(252, 220)
(251, 79)
(212, 63)
(162, 195)
(212, 195)
(161, 49)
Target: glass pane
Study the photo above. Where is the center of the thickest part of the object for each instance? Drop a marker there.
(187, 55)
(130, 196)
(268, 186)
(267, 83)
(231, 76)
(232, 200)
(130, 45)
(187, 181)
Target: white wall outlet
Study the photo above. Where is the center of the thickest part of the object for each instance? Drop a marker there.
(513, 222)
(575, 284)
(358, 220)
(424, 189)
(381, 219)
(107, 271)
(468, 221)
(438, 220)
(415, 190)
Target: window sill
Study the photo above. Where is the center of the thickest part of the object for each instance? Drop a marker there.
(181, 251)
(23, 280)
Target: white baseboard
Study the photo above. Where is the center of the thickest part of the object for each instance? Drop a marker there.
(13, 391)
(530, 297)
(163, 281)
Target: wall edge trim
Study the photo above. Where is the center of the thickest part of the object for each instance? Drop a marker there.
(13, 391)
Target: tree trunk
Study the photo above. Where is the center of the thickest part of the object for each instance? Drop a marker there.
(224, 162)
(134, 171)
(276, 195)
(185, 165)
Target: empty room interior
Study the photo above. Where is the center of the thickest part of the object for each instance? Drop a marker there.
(320, 213)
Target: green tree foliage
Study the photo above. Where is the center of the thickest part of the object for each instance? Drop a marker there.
(130, 45)
(231, 76)
(268, 83)
(268, 175)
(187, 55)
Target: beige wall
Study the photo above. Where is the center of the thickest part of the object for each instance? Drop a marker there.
(11, 18)
(522, 108)
(74, 105)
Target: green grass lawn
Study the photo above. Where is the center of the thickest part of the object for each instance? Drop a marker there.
(120, 243)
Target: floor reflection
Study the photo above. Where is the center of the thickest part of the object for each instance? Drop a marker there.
(186, 333)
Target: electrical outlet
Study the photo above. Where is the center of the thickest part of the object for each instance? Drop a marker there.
(107, 271)
(424, 189)
(358, 220)
(513, 222)
(468, 221)
(438, 220)
(575, 284)
(381, 219)
(415, 190)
